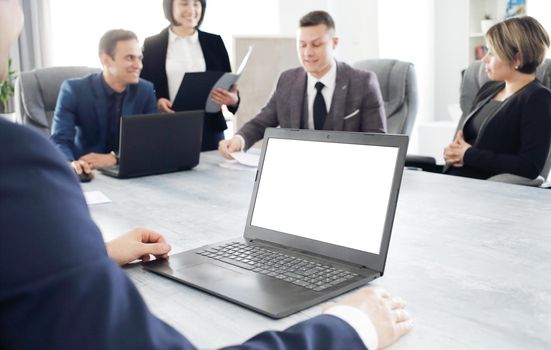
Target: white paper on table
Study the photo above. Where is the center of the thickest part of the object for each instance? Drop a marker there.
(235, 165)
(95, 197)
(248, 159)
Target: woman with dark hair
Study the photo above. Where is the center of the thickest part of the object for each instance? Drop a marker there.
(182, 48)
(509, 128)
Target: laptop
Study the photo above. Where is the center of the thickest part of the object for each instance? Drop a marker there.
(319, 223)
(158, 143)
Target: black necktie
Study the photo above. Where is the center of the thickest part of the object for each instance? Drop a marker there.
(320, 110)
(114, 122)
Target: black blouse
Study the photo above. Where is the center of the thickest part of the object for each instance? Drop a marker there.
(475, 123)
(515, 140)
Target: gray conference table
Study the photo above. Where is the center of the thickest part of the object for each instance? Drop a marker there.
(472, 258)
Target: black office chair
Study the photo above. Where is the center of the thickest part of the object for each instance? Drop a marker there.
(473, 78)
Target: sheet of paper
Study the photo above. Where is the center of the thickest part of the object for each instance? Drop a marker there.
(235, 165)
(245, 60)
(95, 197)
(248, 159)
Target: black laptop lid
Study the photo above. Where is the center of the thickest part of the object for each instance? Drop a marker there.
(329, 193)
(160, 142)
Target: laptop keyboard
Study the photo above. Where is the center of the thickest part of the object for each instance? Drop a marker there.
(305, 273)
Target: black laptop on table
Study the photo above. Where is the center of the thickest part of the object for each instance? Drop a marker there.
(158, 143)
(319, 223)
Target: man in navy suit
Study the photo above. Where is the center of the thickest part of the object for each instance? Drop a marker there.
(60, 288)
(86, 120)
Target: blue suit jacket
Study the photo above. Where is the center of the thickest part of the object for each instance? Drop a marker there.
(80, 119)
(58, 287)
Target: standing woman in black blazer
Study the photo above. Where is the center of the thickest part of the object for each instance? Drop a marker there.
(509, 128)
(183, 48)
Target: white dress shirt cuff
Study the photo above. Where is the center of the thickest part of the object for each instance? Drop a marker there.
(242, 142)
(359, 321)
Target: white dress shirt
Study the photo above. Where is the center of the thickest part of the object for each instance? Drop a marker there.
(183, 55)
(329, 80)
(358, 320)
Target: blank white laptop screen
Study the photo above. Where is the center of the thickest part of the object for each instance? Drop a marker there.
(331, 192)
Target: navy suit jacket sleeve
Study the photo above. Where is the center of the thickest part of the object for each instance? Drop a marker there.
(64, 121)
(324, 332)
(60, 290)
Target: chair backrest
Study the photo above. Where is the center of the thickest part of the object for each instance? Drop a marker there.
(399, 88)
(475, 76)
(36, 94)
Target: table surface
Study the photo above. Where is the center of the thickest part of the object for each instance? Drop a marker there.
(471, 257)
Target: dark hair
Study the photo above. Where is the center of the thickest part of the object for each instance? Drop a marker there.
(167, 7)
(317, 17)
(109, 40)
(524, 36)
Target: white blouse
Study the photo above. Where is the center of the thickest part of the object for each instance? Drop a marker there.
(184, 54)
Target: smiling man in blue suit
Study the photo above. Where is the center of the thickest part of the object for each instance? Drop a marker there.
(87, 116)
(60, 288)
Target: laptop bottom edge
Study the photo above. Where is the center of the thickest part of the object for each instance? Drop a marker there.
(114, 172)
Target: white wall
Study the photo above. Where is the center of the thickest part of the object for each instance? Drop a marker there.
(408, 35)
(292, 10)
(356, 23)
(451, 53)
(76, 29)
(541, 10)
(76, 33)
(228, 19)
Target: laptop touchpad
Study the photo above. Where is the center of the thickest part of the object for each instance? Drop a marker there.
(206, 272)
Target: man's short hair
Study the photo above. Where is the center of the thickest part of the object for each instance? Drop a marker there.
(168, 9)
(109, 40)
(317, 17)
